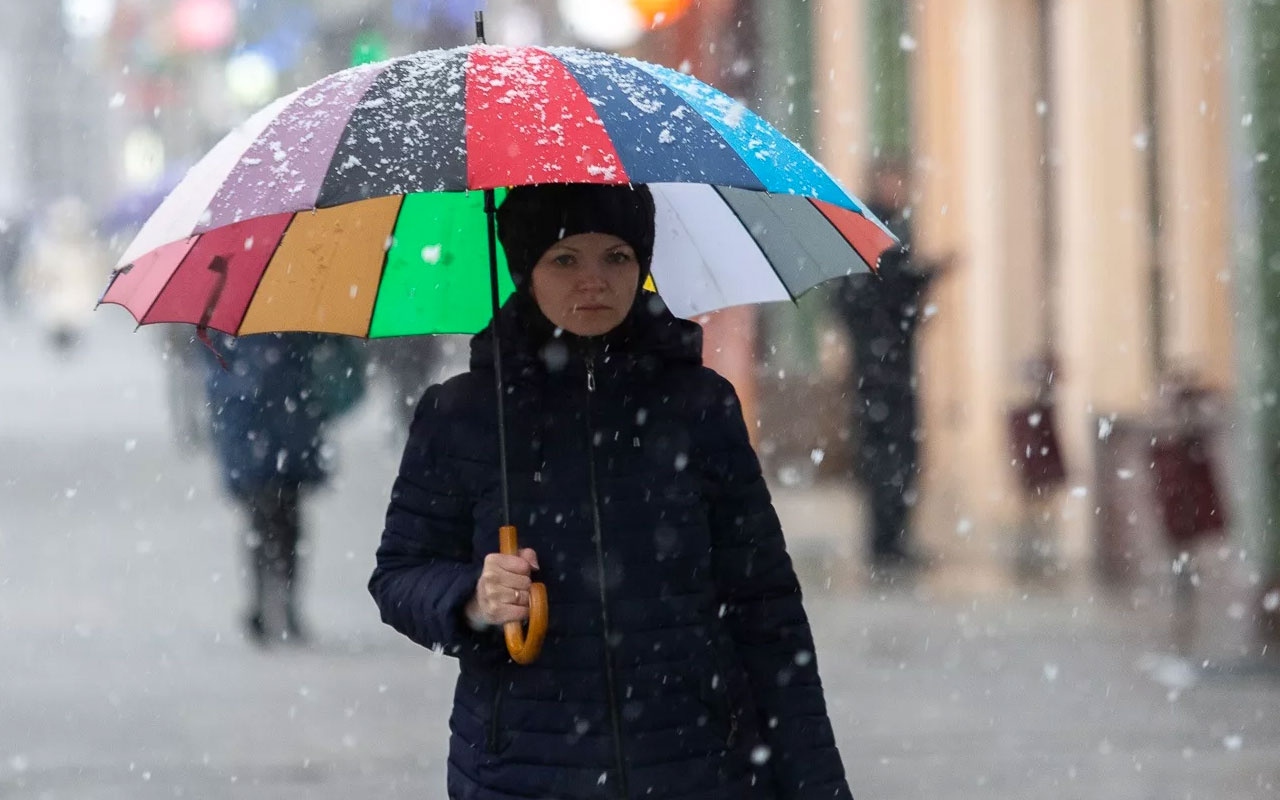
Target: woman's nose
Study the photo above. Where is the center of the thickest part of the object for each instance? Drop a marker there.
(593, 275)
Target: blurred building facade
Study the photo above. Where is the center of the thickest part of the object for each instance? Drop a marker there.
(53, 138)
(1074, 155)
(1082, 163)
(1086, 166)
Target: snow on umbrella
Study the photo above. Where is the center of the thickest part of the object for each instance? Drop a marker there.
(349, 206)
(364, 204)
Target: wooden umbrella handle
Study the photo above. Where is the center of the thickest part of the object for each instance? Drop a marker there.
(523, 646)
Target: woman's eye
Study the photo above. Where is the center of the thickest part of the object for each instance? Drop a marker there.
(619, 257)
(564, 259)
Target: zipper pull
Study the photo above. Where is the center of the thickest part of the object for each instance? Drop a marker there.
(591, 375)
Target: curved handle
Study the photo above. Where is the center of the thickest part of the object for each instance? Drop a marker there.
(523, 646)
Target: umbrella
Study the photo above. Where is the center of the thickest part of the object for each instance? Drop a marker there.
(364, 203)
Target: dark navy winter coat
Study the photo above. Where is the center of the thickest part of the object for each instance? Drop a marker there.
(267, 410)
(678, 661)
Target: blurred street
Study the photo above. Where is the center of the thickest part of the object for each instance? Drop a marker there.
(125, 674)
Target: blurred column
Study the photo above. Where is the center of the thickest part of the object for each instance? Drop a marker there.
(982, 265)
(1026, 274)
(1262, 345)
(13, 185)
(1194, 239)
(1250, 485)
(784, 65)
(841, 129)
(53, 123)
(1104, 247)
(1019, 280)
(940, 217)
(40, 51)
(978, 149)
(889, 47)
(1028, 279)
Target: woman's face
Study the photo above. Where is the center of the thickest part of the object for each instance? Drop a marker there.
(586, 283)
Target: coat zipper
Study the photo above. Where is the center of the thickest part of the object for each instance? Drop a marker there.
(610, 678)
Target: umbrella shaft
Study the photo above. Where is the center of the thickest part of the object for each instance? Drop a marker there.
(491, 214)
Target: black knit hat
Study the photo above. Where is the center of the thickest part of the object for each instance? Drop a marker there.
(532, 218)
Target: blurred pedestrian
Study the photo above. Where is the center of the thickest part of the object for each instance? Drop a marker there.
(63, 270)
(678, 659)
(882, 313)
(272, 398)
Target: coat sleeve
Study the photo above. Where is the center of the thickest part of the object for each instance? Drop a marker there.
(761, 602)
(425, 570)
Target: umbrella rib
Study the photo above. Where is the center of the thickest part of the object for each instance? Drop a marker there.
(763, 252)
(382, 273)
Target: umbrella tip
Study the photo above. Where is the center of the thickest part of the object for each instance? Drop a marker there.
(480, 27)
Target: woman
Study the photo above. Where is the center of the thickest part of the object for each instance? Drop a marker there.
(678, 660)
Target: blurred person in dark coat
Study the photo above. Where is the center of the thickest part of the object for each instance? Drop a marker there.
(882, 313)
(271, 400)
(678, 660)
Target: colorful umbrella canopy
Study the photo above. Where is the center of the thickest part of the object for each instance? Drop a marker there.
(351, 206)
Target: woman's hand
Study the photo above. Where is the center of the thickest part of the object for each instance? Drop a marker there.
(502, 593)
